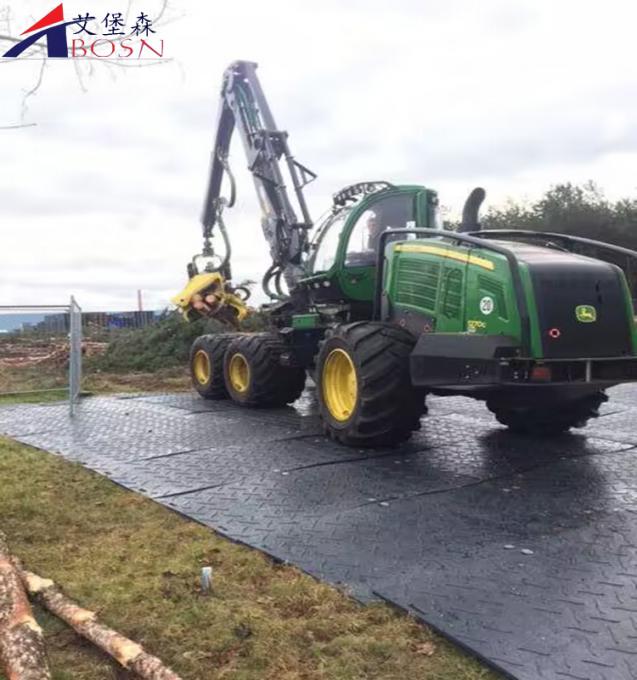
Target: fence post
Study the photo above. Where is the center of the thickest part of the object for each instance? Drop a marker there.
(75, 353)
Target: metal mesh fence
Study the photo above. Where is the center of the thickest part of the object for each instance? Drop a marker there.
(41, 357)
(75, 353)
(97, 323)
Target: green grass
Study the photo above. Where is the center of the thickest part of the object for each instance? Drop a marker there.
(38, 377)
(21, 385)
(137, 564)
(34, 397)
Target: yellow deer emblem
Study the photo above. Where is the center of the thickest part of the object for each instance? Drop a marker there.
(586, 313)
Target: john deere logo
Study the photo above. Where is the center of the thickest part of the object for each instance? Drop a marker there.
(586, 313)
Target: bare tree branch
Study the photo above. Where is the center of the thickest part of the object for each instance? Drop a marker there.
(136, 64)
(17, 126)
(10, 39)
(6, 19)
(112, 65)
(24, 108)
(80, 77)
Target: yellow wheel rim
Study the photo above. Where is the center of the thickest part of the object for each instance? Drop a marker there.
(201, 367)
(340, 385)
(239, 373)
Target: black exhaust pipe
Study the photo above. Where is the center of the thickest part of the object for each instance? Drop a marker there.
(470, 211)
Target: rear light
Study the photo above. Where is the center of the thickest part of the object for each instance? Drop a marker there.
(541, 373)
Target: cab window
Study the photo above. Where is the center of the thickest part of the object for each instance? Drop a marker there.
(328, 245)
(393, 212)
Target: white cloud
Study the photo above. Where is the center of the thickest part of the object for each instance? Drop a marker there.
(104, 195)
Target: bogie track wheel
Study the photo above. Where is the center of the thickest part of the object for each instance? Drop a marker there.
(254, 374)
(206, 364)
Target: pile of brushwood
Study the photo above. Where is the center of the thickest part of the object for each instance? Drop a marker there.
(165, 344)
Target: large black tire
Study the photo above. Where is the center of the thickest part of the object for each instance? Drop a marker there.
(254, 375)
(548, 419)
(206, 364)
(377, 405)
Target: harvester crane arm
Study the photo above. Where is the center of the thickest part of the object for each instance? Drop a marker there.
(243, 106)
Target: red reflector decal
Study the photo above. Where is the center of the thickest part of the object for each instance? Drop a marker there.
(555, 333)
(540, 373)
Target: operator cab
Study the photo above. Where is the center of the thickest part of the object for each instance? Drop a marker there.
(396, 211)
(344, 255)
(393, 212)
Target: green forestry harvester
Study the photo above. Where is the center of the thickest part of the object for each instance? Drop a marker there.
(381, 306)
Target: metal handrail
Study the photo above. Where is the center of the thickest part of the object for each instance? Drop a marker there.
(565, 237)
(461, 238)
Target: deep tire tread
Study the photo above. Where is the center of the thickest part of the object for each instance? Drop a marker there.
(271, 384)
(549, 420)
(389, 407)
(215, 346)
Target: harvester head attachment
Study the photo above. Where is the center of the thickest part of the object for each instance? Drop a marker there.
(209, 295)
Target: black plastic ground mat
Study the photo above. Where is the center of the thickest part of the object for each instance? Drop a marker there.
(522, 550)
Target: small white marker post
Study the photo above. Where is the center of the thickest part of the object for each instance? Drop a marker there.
(206, 579)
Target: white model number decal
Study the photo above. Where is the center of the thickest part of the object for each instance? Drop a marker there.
(487, 305)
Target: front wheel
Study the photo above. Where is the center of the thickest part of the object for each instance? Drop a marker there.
(364, 387)
(548, 419)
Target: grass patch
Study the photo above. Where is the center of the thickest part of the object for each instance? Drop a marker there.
(28, 391)
(35, 397)
(175, 379)
(137, 563)
(33, 378)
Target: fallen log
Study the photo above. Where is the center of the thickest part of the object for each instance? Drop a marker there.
(22, 649)
(128, 653)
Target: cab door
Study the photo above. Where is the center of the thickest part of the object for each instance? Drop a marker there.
(357, 275)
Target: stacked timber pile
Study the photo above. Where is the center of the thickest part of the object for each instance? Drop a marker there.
(52, 353)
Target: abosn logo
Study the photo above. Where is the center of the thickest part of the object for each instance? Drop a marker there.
(116, 43)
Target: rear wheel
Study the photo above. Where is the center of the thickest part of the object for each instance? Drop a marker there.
(206, 364)
(548, 419)
(363, 383)
(254, 375)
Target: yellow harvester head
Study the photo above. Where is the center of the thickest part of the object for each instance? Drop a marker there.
(208, 295)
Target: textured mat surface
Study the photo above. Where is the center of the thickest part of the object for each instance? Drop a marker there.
(523, 551)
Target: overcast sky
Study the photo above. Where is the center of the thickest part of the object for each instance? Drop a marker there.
(103, 195)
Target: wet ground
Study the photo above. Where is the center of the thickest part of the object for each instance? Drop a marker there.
(522, 550)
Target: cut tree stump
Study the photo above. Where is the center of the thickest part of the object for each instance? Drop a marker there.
(128, 653)
(22, 650)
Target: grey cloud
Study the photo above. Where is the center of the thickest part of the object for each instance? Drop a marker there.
(104, 195)
(500, 154)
